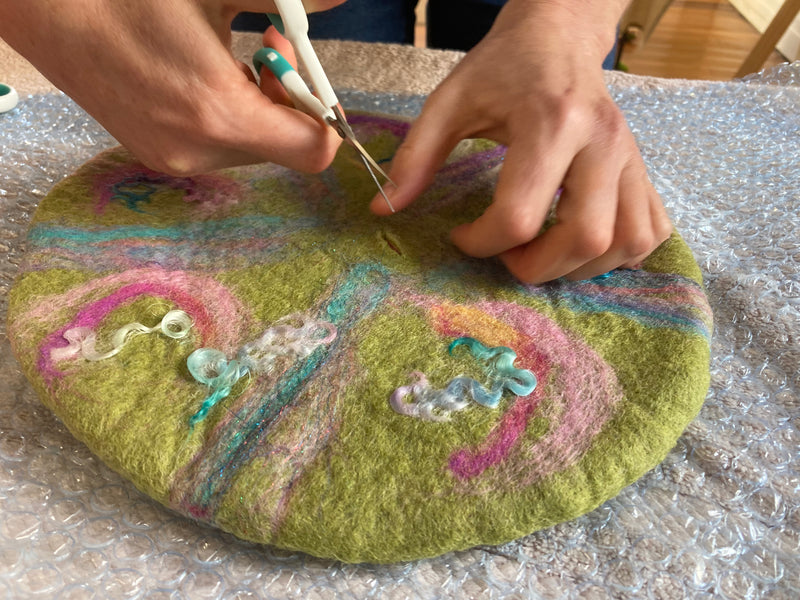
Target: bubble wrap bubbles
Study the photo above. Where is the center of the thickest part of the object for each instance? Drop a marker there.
(719, 518)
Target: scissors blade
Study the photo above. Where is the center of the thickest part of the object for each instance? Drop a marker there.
(378, 183)
(343, 127)
(368, 159)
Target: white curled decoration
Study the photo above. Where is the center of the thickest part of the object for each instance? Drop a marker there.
(428, 404)
(285, 340)
(83, 340)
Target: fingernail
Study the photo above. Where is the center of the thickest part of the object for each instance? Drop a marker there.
(386, 193)
(384, 196)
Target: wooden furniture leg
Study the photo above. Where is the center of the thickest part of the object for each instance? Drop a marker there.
(766, 43)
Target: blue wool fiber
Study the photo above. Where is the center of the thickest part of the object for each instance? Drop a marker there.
(500, 363)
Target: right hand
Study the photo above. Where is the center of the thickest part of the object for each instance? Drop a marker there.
(160, 77)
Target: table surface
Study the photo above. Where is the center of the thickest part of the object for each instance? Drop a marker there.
(719, 518)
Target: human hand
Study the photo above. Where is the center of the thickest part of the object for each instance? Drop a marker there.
(535, 84)
(159, 76)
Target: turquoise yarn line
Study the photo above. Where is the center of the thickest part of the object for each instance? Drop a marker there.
(352, 301)
(653, 315)
(209, 403)
(359, 294)
(365, 286)
(225, 229)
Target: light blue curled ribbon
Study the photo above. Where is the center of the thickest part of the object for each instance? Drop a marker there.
(499, 363)
(212, 368)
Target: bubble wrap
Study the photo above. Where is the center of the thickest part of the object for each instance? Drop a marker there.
(719, 518)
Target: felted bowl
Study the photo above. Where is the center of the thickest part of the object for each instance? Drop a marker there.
(346, 385)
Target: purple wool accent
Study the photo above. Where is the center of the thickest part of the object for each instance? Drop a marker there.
(210, 191)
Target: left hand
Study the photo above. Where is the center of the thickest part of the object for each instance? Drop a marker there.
(535, 84)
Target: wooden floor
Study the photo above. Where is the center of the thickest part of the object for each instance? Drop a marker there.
(695, 39)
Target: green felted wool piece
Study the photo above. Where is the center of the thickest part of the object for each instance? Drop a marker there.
(315, 402)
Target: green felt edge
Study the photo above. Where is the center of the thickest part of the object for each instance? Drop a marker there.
(116, 432)
(597, 477)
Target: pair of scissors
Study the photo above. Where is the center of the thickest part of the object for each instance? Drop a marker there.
(292, 23)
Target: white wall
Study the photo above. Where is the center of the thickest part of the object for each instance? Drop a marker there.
(760, 13)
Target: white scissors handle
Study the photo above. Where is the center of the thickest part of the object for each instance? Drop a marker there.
(294, 85)
(295, 29)
(293, 25)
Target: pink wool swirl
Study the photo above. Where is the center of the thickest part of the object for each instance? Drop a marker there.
(577, 394)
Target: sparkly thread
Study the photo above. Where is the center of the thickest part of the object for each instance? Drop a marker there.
(260, 357)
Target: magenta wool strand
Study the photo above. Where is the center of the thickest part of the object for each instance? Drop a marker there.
(211, 324)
